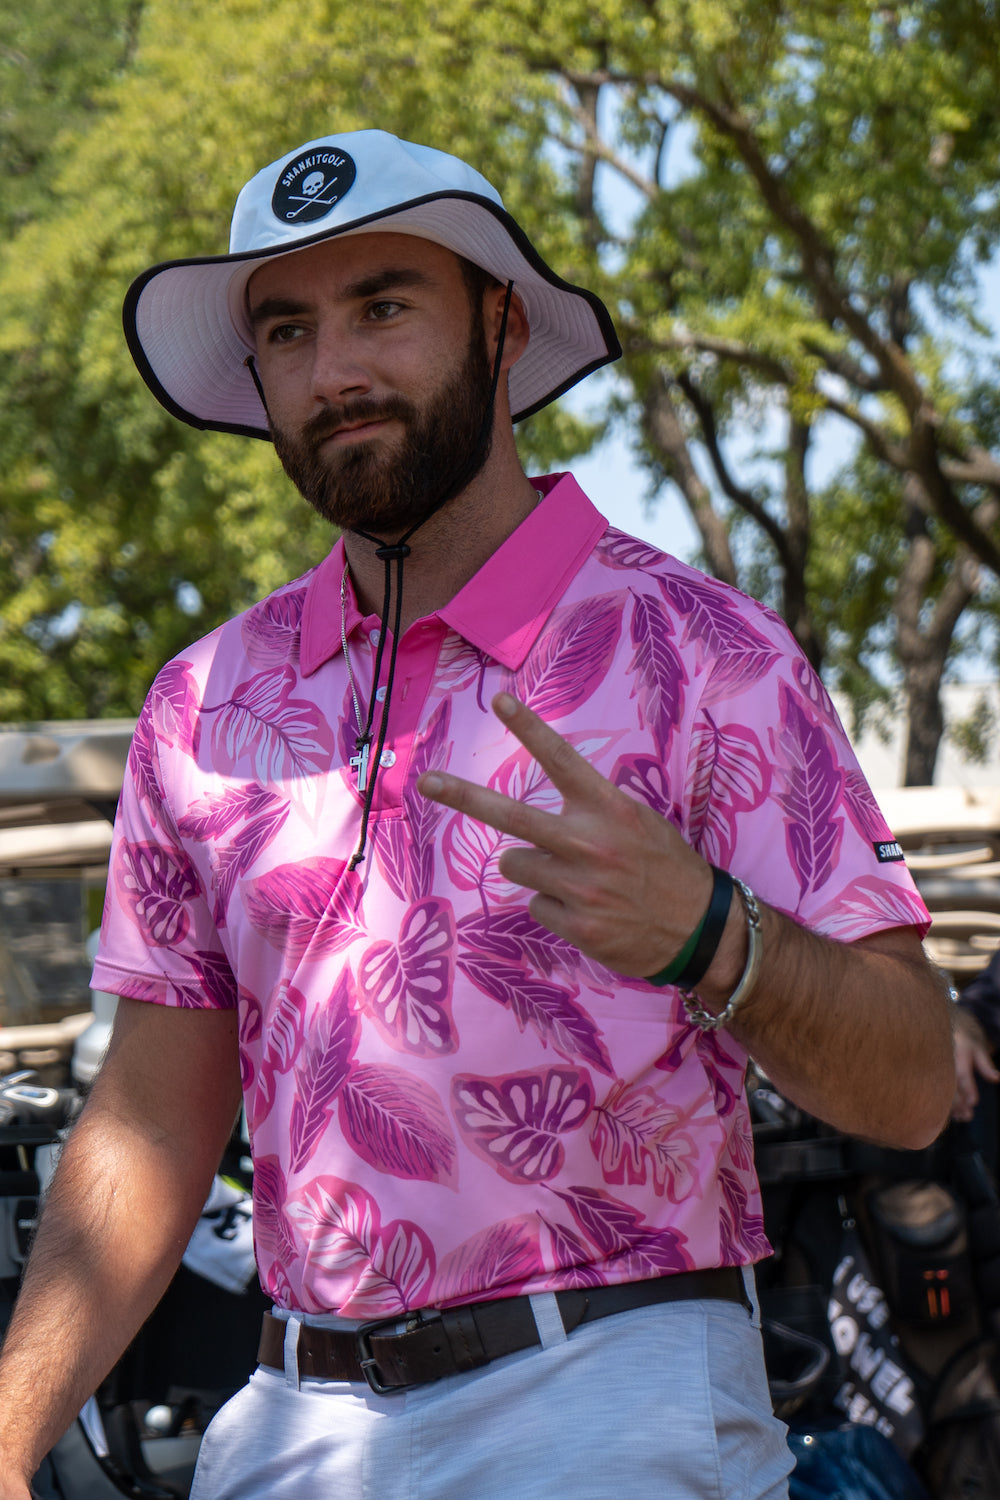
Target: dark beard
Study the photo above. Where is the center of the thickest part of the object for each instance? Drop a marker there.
(444, 447)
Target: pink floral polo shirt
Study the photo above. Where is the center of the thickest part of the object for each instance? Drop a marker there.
(445, 1101)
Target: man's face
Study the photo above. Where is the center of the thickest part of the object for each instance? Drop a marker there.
(376, 374)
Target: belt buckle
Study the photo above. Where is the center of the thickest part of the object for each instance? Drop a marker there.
(367, 1361)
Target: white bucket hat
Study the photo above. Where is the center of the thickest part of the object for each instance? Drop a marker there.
(186, 321)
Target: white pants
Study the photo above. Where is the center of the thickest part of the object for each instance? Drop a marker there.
(668, 1402)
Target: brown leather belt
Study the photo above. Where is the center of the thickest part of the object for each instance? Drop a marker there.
(447, 1341)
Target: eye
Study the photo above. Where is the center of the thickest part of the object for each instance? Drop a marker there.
(284, 333)
(383, 310)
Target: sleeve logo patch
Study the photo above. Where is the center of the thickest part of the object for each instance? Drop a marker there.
(888, 853)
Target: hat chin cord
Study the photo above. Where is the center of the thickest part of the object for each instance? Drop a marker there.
(397, 552)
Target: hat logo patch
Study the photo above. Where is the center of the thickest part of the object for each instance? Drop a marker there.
(312, 185)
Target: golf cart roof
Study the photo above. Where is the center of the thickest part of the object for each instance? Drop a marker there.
(59, 785)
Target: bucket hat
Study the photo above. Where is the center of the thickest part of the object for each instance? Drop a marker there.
(186, 321)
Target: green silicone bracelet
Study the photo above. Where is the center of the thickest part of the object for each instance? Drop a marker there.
(675, 969)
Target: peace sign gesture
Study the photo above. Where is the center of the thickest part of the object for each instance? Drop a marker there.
(611, 876)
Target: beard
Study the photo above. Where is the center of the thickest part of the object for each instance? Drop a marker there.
(366, 487)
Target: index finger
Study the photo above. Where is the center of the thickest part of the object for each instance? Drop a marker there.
(565, 767)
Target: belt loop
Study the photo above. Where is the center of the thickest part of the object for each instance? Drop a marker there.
(291, 1353)
(548, 1319)
(750, 1287)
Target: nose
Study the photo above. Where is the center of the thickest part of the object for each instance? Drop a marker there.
(338, 371)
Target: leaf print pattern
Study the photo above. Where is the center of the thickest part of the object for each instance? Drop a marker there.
(504, 1255)
(621, 1235)
(863, 811)
(636, 1137)
(209, 820)
(407, 985)
(550, 1011)
(263, 728)
(271, 629)
(571, 658)
(658, 668)
(397, 1124)
(175, 711)
(569, 1252)
(322, 1067)
(406, 850)
(811, 796)
(644, 778)
(308, 908)
(515, 1123)
(387, 1269)
(728, 775)
(617, 550)
(156, 885)
(740, 656)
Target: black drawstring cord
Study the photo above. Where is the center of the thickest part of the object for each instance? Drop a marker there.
(251, 366)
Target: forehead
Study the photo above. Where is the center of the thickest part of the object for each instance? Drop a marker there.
(342, 263)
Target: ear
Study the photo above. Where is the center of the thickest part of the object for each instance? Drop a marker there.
(518, 329)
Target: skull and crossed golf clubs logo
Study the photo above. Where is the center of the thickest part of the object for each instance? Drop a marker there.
(311, 185)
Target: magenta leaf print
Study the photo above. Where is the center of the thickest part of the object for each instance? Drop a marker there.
(336, 1223)
(644, 778)
(515, 1123)
(863, 811)
(869, 905)
(514, 936)
(571, 658)
(322, 1070)
(280, 738)
(620, 1234)
(405, 850)
(505, 1255)
(617, 550)
(273, 1232)
(636, 1137)
(270, 630)
(398, 1276)
(213, 986)
(175, 707)
(213, 817)
(306, 909)
(397, 1123)
(406, 986)
(156, 884)
(283, 1029)
(571, 1257)
(460, 665)
(728, 774)
(550, 1011)
(661, 678)
(738, 655)
(813, 784)
(741, 1231)
(470, 852)
(142, 765)
(249, 1034)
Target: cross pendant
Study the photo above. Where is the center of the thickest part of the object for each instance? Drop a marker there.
(359, 763)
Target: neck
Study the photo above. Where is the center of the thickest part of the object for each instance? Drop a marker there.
(451, 546)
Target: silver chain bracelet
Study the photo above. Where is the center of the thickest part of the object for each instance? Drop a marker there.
(748, 979)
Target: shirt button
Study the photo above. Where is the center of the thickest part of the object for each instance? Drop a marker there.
(387, 759)
(375, 636)
(380, 694)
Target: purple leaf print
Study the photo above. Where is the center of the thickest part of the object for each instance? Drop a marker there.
(270, 630)
(306, 909)
(644, 778)
(522, 778)
(407, 986)
(571, 658)
(397, 1124)
(337, 1223)
(620, 1234)
(738, 655)
(869, 905)
(863, 811)
(741, 1232)
(459, 666)
(514, 936)
(406, 854)
(813, 689)
(728, 774)
(155, 885)
(617, 550)
(514, 1123)
(813, 785)
(175, 707)
(278, 736)
(660, 671)
(470, 853)
(322, 1071)
(399, 1274)
(571, 1257)
(216, 984)
(636, 1138)
(551, 1012)
(249, 1033)
(272, 1230)
(238, 857)
(142, 765)
(283, 1029)
(505, 1255)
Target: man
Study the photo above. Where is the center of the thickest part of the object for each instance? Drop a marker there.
(504, 1197)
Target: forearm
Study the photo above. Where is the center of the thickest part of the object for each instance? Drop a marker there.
(115, 1225)
(858, 1034)
(127, 1193)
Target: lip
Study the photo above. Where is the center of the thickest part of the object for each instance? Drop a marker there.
(355, 432)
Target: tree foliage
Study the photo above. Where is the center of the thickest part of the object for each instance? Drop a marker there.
(786, 207)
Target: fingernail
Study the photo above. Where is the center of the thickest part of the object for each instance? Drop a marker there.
(504, 706)
(432, 784)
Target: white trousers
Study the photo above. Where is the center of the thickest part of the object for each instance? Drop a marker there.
(668, 1402)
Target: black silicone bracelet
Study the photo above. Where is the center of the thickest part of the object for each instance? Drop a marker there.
(711, 932)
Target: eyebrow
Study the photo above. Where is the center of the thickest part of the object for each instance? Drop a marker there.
(373, 284)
